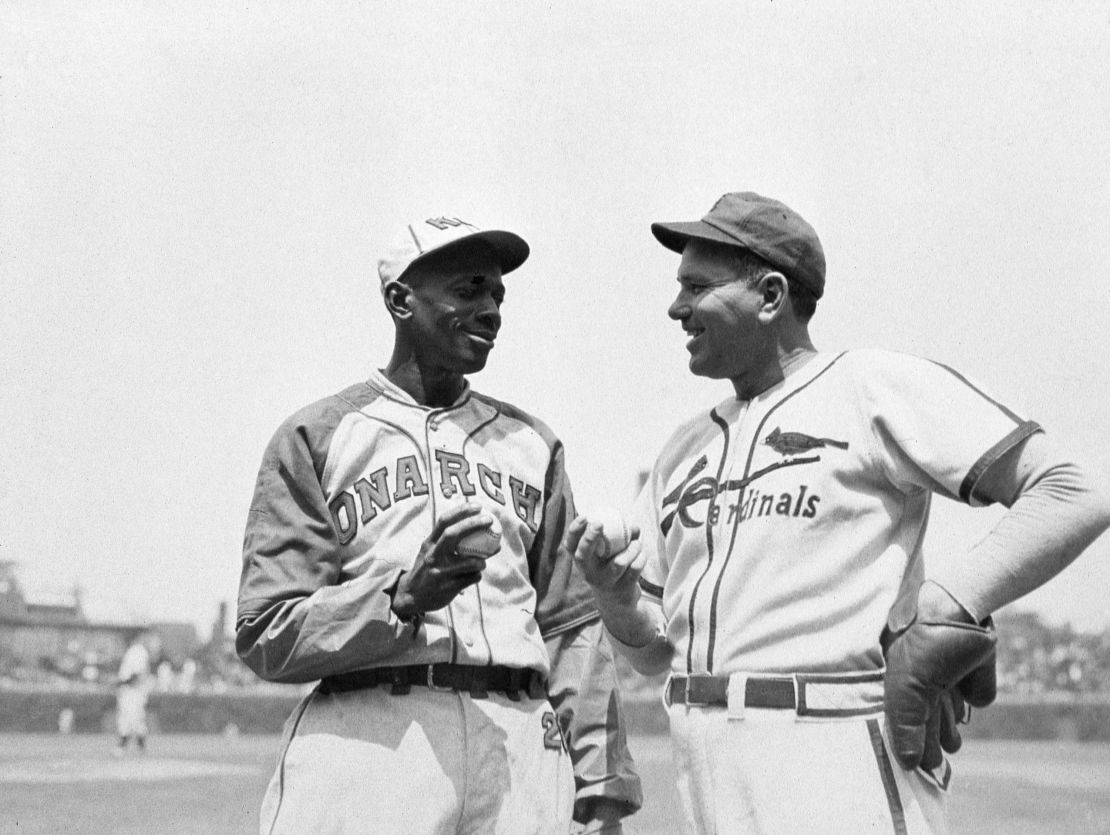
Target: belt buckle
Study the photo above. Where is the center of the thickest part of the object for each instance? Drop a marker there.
(431, 681)
(400, 687)
(690, 700)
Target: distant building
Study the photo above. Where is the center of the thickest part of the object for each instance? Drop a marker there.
(179, 641)
(53, 636)
(15, 607)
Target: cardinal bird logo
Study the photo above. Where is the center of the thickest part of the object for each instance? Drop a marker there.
(792, 443)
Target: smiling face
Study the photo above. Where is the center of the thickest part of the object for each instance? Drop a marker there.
(723, 310)
(455, 312)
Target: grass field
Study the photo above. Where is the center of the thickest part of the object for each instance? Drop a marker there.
(208, 784)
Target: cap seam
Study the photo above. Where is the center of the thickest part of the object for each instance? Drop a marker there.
(724, 232)
(744, 244)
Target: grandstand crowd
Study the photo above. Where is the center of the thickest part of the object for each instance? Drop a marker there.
(1035, 659)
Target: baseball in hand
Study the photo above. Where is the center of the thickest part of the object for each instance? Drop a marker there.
(615, 531)
(484, 542)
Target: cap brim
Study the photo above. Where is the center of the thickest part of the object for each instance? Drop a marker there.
(675, 236)
(511, 249)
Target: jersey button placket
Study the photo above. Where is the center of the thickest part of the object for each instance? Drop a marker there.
(721, 533)
(432, 425)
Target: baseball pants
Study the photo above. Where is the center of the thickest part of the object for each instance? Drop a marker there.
(773, 771)
(426, 763)
(815, 762)
(131, 702)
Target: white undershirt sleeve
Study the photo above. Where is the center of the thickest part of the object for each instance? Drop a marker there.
(1056, 510)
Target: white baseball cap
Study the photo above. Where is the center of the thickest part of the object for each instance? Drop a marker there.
(442, 234)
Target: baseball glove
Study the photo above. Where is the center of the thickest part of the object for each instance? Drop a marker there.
(934, 669)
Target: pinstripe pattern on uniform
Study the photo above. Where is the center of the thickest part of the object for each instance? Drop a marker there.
(886, 771)
(736, 524)
(716, 418)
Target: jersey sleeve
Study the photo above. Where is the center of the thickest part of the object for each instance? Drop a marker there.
(582, 684)
(1057, 508)
(934, 428)
(584, 691)
(563, 598)
(295, 621)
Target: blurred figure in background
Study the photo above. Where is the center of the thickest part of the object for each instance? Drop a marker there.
(134, 687)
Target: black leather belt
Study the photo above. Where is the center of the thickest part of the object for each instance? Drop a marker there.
(468, 678)
(712, 691)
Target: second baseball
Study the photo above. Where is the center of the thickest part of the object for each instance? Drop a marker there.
(484, 542)
(615, 531)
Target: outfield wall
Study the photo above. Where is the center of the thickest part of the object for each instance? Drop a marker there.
(1081, 719)
(94, 711)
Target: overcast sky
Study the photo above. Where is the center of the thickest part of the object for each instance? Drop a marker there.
(193, 196)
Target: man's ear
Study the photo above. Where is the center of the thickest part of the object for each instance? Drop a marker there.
(397, 298)
(773, 287)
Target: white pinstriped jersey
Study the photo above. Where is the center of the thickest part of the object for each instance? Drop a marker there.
(781, 531)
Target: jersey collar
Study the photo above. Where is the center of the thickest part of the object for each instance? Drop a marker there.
(379, 381)
(797, 376)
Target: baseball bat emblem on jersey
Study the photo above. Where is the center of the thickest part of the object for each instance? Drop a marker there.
(791, 443)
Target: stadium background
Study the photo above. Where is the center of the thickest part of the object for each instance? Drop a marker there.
(1036, 761)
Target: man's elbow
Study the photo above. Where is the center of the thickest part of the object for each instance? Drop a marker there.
(249, 651)
(1098, 505)
(1102, 516)
(255, 651)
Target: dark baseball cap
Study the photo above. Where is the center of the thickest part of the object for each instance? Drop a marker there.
(770, 229)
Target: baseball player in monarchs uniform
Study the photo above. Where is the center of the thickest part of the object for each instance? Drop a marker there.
(459, 692)
(779, 574)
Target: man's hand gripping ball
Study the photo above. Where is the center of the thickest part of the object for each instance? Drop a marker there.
(606, 549)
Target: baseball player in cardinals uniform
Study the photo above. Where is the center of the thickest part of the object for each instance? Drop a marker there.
(779, 575)
(459, 691)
